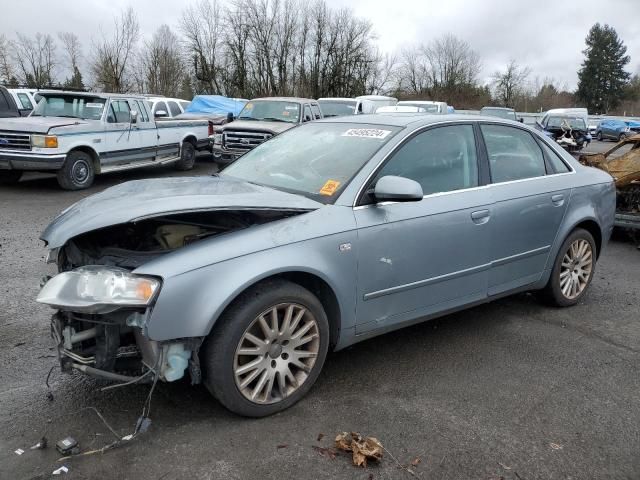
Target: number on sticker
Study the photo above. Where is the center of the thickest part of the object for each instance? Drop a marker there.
(366, 133)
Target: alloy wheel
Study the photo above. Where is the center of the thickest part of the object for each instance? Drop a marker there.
(276, 353)
(576, 267)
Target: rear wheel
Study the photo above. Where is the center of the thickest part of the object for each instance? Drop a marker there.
(9, 176)
(599, 136)
(187, 157)
(572, 271)
(77, 172)
(267, 349)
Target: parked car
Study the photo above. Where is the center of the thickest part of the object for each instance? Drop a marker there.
(8, 106)
(438, 108)
(163, 107)
(330, 233)
(260, 120)
(501, 112)
(634, 126)
(569, 131)
(24, 98)
(622, 162)
(611, 129)
(400, 109)
(79, 135)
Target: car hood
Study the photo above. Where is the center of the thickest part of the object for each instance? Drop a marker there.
(37, 124)
(140, 199)
(260, 126)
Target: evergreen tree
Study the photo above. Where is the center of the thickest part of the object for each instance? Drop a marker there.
(602, 78)
(75, 81)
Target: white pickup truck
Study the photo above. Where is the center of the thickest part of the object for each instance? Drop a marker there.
(80, 135)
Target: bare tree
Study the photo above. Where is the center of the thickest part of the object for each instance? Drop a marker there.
(510, 83)
(451, 62)
(112, 63)
(202, 26)
(7, 72)
(162, 63)
(73, 55)
(35, 59)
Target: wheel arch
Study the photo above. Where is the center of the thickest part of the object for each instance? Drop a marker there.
(95, 158)
(591, 226)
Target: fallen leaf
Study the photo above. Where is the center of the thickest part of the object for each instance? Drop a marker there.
(320, 436)
(282, 445)
(416, 461)
(363, 449)
(555, 446)
(325, 452)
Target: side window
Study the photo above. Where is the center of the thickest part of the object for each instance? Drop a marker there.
(26, 102)
(142, 112)
(184, 105)
(160, 106)
(441, 159)
(316, 111)
(554, 159)
(306, 115)
(513, 153)
(174, 108)
(121, 112)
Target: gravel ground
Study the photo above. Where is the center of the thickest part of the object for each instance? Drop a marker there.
(510, 390)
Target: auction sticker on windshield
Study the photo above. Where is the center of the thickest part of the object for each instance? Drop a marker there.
(329, 188)
(366, 133)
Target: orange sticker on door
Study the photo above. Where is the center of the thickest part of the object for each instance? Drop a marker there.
(329, 188)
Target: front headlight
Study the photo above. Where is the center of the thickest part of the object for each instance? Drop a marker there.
(44, 141)
(98, 289)
(217, 138)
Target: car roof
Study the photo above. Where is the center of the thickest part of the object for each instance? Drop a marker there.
(412, 119)
(420, 102)
(286, 99)
(92, 94)
(498, 108)
(337, 99)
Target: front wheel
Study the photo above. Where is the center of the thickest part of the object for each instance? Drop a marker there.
(622, 136)
(572, 271)
(187, 157)
(599, 136)
(77, 172)
(267, 349)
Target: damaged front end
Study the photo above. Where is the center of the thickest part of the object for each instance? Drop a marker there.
(104, 307)
(570, 134)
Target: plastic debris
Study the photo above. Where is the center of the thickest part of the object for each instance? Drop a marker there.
(41, 445)
(19, 451)
(60, 470)
(363, 449)
(68, 446)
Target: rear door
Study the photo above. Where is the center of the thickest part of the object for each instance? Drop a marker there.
(530, 198)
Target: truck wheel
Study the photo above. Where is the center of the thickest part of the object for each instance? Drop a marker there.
(9, 176)
(572, 271)
(77, 172)
(267, 349)
(187, 157)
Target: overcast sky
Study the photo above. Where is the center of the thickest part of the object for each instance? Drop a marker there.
(546, 35)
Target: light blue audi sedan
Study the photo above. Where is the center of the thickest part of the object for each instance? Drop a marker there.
(328, 234)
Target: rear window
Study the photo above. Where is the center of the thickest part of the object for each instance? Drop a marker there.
(174, 108)
(25, 101)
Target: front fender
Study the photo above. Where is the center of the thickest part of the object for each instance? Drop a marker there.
(190, 303)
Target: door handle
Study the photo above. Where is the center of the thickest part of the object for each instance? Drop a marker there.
(558, 199)
(481, 216)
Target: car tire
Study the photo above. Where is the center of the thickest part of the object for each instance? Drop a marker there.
(187, 157)
(230, 351)
(573, 270)
(77, 172)
(8, 177)
(621, 137)
(599, 136)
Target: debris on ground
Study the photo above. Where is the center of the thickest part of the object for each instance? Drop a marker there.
(320, 436)
(416, 461)
(41, 445)
(68, 446)
(363, 449)
(60, 470)
(326, 452)
(19, 451)
(555, 446)
(282, 445)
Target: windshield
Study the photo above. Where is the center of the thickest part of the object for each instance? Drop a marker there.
(315, 159)
(71, 106)
(428, 107)
(573, 122)
(275, 111)
(337, 108)
(499, 112)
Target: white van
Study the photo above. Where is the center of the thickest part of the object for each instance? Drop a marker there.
(163, 107)
(24, 97)
(370, 103)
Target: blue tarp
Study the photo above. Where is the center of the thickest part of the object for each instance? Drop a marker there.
(215, 104)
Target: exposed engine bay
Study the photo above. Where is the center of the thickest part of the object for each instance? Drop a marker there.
(569, 135)
(111, 343)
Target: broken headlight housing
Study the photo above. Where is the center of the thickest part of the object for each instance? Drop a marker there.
(98, 289)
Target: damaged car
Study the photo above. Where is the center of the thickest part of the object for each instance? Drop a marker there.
(622, 162)
(328, 234)
(569, 131)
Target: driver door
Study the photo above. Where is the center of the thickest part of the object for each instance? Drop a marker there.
(419, 258)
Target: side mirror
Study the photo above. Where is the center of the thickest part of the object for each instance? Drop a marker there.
(134, 116)
(161, 114)
(230, 117)
(397, 189)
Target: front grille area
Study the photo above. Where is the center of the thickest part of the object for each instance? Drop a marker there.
(243, 140)
(14, 141)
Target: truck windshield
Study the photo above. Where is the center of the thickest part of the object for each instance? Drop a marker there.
(71, 106)
(337, 108)
(274, 111)
(316, 159)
